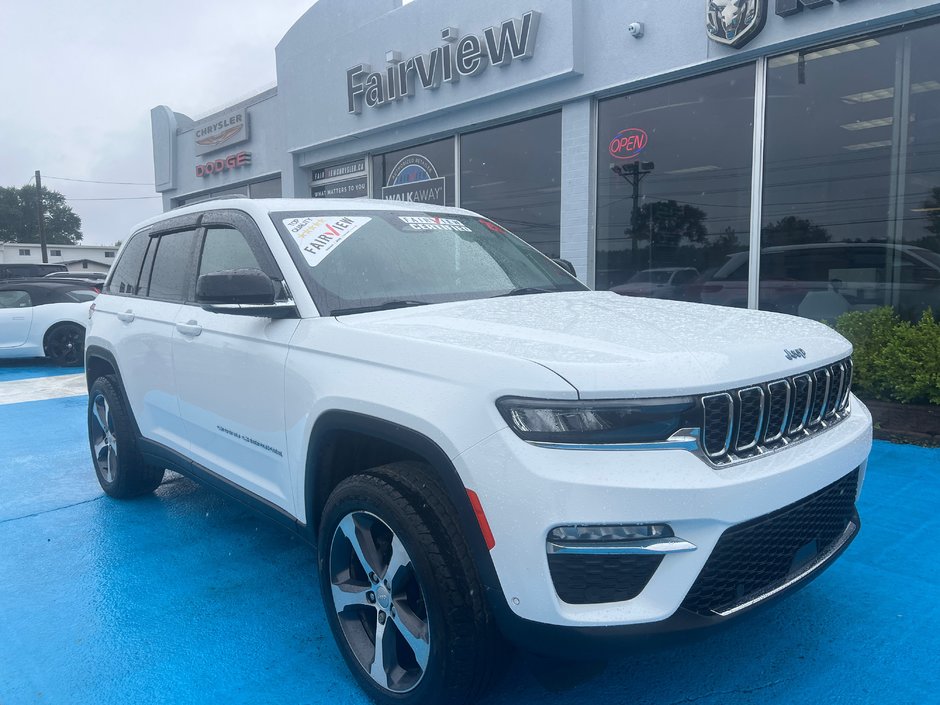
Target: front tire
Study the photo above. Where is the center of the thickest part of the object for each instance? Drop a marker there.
(401, 591)
(64, 345)
(121, 470)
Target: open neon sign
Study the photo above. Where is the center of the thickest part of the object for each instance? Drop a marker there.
(628, 143)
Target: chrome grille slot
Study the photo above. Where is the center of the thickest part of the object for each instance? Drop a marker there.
(718, 411)
(751, 416)
(836, 376)
(847, 387)
(742, 423)
(778, 410)
(802, 401)
(821, 379)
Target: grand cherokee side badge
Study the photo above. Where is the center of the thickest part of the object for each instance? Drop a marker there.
(793, 354)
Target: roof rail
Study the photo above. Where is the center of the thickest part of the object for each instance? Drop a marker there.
(225, 197)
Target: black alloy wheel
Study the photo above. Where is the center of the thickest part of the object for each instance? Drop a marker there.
(65, 345)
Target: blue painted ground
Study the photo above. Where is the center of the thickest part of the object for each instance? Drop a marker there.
(184, 597)
(31, 368)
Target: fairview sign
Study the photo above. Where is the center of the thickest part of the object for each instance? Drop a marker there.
(459, 57)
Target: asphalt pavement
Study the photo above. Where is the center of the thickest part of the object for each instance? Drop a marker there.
(187, 597)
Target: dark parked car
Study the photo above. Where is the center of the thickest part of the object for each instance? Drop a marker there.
(26, 271)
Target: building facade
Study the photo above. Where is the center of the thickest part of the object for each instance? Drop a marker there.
(780, 154)
(77, 258)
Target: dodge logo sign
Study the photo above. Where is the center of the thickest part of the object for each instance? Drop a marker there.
(735, 22)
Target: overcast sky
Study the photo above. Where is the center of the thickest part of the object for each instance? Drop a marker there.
(79, 78)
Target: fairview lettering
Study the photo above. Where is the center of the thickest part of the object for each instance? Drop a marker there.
(460, 56)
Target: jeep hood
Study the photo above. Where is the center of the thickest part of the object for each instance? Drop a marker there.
(607, 345)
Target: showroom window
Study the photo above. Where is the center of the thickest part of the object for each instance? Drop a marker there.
(344, 180)
(851, 203)
(269, 188)
(673, 189)
(512, 174)
(423, 174)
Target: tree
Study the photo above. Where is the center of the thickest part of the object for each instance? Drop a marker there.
(666, 223)
(792, 231)
(19, 217)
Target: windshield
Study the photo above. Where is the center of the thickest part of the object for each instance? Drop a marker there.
(359, 261)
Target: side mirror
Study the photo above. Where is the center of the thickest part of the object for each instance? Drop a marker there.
(566, 265)
(241, 292)
(235, 286)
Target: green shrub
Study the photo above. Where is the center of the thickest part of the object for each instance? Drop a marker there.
(894, 360)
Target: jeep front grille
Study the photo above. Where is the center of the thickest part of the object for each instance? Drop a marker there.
(742, 423)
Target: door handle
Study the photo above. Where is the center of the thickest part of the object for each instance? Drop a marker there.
(190, 328)
(127, 316)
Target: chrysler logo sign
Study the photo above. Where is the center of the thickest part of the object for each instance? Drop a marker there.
(458, 57)
(223, 130)
(736, 22)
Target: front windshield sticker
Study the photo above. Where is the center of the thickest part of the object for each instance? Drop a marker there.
(424, 222)
(319, 236)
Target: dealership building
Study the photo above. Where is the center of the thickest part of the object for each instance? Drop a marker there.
(781, 154)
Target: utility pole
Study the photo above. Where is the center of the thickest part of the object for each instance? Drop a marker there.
(633, 174)
(42, 217)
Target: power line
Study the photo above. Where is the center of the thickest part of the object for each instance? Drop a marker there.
(93, 181)
(114, 198)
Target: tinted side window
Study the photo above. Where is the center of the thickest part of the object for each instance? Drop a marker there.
(169, 278)
(14, 299)
(225, 248)
(127, 268)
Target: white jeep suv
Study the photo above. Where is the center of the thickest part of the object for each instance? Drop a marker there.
(479, 446)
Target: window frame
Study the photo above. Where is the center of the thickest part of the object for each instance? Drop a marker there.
(154, 232)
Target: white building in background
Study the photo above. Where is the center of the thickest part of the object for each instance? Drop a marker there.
(78, 258)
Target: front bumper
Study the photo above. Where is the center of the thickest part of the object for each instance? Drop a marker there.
(526, 490)
(601, 641)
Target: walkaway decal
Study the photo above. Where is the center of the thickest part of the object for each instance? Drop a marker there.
(414, 180)
(318, 236)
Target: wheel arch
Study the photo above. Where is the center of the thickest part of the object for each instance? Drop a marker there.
(325, 468)
(100, 362)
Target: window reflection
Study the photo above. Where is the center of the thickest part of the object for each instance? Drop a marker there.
(851, 176)
(674, 172)
(512, 174)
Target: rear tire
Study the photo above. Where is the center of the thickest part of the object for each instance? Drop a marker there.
(64, 345)
(121, 470)
(420, 591)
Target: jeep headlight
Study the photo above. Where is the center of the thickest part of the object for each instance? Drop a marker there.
(599, 422)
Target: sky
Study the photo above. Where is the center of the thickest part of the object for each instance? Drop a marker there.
(79, 78)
